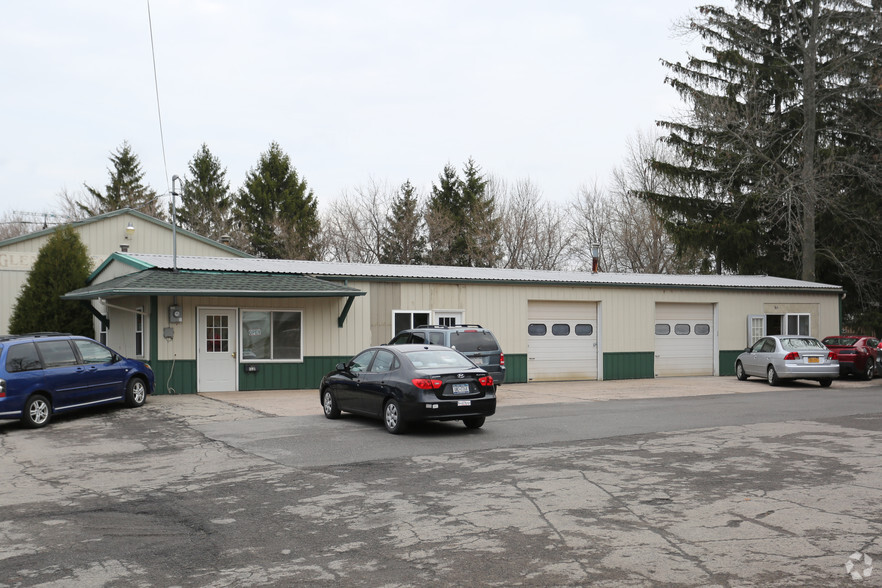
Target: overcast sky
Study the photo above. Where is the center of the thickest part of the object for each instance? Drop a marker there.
(352, 91)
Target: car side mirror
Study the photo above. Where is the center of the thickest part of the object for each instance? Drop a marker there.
(341, 367)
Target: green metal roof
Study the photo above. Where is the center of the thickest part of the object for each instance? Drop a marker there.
(162, 282)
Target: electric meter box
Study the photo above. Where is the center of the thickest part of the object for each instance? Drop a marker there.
(175, 314)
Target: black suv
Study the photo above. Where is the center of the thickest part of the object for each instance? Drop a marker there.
(42, 374)
(473, 341)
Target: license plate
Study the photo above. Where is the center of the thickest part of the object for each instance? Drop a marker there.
(478, 360)
(460, 388)
(814, 360)
(464, 403)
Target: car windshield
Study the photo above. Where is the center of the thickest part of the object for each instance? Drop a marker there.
(797, 344)
(438, 358)
(472, 341)
(845, 341)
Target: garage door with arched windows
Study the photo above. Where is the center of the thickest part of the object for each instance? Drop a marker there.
(561, 341)
(684, 339)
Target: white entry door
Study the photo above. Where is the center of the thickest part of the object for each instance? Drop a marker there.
(217, 341)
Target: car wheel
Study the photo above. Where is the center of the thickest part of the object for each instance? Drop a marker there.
(825, 382)
(869, 370)
(474, 422)
(36, 412)
(136, 393)
(739, 372)
(392, 417)
(773, 378)
(329, 405)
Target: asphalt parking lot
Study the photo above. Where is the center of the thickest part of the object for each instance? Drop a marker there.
(160, 496)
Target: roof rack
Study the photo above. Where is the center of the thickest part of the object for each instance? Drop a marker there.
(449, 326)
(33, 335)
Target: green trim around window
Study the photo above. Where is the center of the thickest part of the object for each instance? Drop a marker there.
(628, 365)
(727, 361)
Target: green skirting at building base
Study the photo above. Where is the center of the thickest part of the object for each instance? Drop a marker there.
(179, 377)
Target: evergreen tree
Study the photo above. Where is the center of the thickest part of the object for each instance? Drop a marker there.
(126, 188)
(780, 152)
(206, 201)
(461, 218)
(277, 210)
(62, 265)
(404, 242)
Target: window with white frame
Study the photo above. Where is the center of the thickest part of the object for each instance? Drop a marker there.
(409, 319)
(798, 324)
(272, 335)
(139, 331)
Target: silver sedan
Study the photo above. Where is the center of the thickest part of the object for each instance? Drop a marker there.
(788, 357)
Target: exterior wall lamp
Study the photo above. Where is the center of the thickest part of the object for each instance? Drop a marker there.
(130, 230)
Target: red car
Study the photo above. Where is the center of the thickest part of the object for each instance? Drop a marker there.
(857, 354)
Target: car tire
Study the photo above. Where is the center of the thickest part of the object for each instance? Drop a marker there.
(329, 405)
(36, 412)
(474, 422)
(739, 372)
(136, 393)
(869, 370)
(772, 376)
(392, 417)
(825, 382)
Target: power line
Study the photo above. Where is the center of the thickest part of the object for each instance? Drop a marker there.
(158, 109)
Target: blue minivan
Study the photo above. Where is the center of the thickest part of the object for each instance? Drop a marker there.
(43, 374)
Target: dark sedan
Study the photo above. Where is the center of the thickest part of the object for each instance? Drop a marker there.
(857, 354)
(404, 383)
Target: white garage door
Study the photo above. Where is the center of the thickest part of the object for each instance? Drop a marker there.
(684, 340)
(561, 341)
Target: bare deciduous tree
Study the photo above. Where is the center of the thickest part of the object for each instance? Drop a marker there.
(534, 234)
(355, 223)
(632, 236)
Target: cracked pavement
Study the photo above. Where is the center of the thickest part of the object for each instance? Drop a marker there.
(144, 497)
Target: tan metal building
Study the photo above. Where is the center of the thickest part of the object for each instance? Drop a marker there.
(124, 229)
(249, 324)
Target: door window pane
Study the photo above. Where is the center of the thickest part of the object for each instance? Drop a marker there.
(537, 330)
(57, 353)
(92, 352)
(584, 330)
(682, 329)
(560, 329)
(662, 329)
(217, 333)
(702, 329)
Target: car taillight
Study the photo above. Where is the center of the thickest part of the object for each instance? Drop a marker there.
(502, 359)
(833, 355)
(2, 388)
(486, 381)
(791, 356)
(427, 384)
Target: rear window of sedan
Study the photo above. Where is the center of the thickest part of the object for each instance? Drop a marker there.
(795, 344)
(840, 340)
(438, 358)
